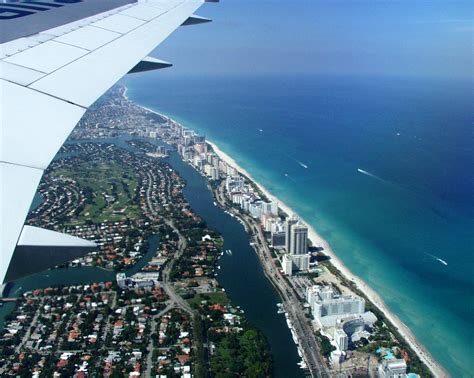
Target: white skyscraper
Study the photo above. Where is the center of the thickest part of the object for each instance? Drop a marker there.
(287, 265)
(341, 339)
(393, 369)
(343, 305)
(301, 262)
(298, 239)
(290, 222)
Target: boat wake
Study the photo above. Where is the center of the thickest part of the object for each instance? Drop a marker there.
(437, 258)
(289, 177)
(364, 172)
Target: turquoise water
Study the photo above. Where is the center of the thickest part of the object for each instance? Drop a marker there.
(389, 179)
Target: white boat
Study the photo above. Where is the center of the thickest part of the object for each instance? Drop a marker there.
(281, 309)
(229, 252)
(293, 334)
(302, 364)
(215, 204)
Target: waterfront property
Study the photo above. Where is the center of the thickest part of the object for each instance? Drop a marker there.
(187, 263)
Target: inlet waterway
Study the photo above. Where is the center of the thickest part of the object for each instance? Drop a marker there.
(240, 273)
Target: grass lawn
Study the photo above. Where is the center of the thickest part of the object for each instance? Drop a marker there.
(112, 186)
(212, 298)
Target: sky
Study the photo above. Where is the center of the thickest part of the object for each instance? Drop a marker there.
(280, 37)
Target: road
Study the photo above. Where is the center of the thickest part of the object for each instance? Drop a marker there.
(182, 244)
(175, 300)
(153, 325)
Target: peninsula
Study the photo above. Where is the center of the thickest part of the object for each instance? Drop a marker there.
(165, 310)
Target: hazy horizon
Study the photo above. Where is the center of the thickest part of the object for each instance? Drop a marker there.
(401, 38)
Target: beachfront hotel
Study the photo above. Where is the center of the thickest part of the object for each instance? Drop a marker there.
(298, 240)
(296, 257)
(290, 222)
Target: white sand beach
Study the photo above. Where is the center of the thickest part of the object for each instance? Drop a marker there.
(436, 369)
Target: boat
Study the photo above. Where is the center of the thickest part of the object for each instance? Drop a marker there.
(281, 309)
(229, 252)
(293, 334)
(215, 204)
(302, 364)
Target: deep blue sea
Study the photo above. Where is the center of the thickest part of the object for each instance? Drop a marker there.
(383, 168)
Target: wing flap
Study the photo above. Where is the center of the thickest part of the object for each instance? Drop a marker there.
(88, 37)
(145, 12)
(47, 57)
(119, 23)
(17, 184)
(44, 249)
(18, 74)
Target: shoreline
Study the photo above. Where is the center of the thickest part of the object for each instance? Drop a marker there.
(318, 240)
(425, 356)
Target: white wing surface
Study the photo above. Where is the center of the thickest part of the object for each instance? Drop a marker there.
(54, 70)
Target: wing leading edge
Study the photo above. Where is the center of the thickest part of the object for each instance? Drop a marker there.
(49, 78)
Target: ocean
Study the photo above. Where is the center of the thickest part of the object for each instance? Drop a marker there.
(382, 167)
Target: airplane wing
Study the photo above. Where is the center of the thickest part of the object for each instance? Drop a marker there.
(56, 58)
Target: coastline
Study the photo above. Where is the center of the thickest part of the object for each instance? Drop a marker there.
(316, 239)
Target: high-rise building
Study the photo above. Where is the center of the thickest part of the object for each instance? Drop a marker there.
(393, 369)
(215, 173)
(298, 239)
(278, 239)
(287, 265)
(290, 222)
(341, 339)
(301, 262)
(342, 305)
